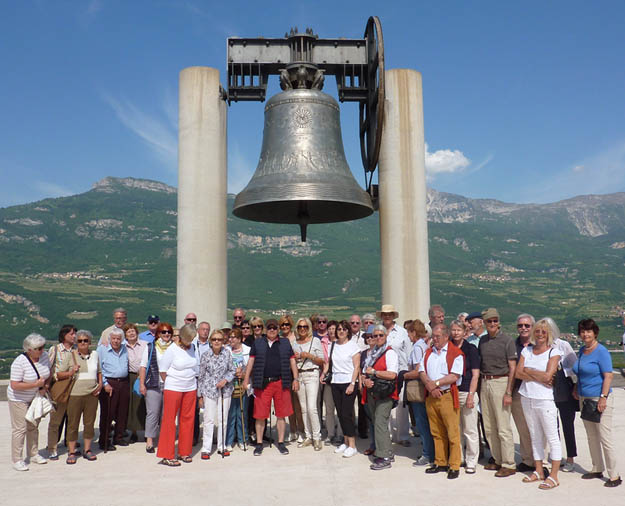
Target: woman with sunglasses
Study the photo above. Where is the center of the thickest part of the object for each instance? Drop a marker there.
(179, 371)
(215, 390)
(345, 369)
(30, 373)
(296, 420)
(83, 399)
(151, 383)
(333, 427)
(309, 359)
(258, 327)
(237, 415)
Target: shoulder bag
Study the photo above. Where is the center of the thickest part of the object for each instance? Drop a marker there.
(59, 392)
(327, 379)
(383, 388)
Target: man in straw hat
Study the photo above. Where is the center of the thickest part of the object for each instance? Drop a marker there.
(398, 340)
(498, 352)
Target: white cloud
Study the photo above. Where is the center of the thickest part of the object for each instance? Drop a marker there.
(158, 133)
(445, 161)
(578, 168)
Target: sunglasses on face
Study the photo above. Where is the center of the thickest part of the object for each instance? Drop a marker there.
(238, 317)
(285, 325)
(272, 328)
(216, 340)
(82, 341)
(492, 320)
(302, 326)
(322, 321)
(523, 325)
(368, 336)
(165, 332)
(257, 326)
(354, 323)
(378, 335)
(190, 319)
(245, 328)
(342, 329)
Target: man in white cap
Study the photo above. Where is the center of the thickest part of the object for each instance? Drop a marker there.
(398, 339)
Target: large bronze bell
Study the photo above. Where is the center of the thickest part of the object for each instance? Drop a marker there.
(302, 176)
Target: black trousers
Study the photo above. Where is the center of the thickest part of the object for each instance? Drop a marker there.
(118, 405)
(345, 408)
(567, 416)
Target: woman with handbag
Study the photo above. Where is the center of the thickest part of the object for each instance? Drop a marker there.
(415, 391)
(594, 377)
(381, 369)
(536, 367)
(136, 406)
(309, 358)
(332, 425)
(563, 396)
(30, 373)
(60, 383)
(345, 369)
(297, 429)
(151, 383)
(370, 341)
(83, 398)
(215, 391)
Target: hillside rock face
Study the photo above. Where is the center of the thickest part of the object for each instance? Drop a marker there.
(111, 184)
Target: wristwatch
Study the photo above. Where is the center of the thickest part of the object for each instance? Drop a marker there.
(437, 383)
(602, 396)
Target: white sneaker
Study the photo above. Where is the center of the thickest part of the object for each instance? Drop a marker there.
(341, 448)
(229, 449)
(300, 439)
(349, 452)
(38, 459)
(20, 465)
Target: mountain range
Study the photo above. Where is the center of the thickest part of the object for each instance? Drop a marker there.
(75, 259)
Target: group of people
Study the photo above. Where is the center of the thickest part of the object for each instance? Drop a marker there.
(444, 381)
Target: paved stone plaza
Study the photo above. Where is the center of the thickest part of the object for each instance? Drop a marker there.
(305, 477)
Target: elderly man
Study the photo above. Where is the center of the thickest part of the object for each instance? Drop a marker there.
(441, 372)
(238, 315)
(149, 335)
(120, 317)
(322, 327)
(524, 324)
(397, 338)
(115, 395)
(436, 314)
(498, 366)
(368, 319)
(477, 327)
(274, 373)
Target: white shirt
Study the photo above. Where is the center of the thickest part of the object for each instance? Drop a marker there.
(392, 361)
(342, 361)
(181, 367)
(360, 340)
(437, 366)
(398, 339)
(535, 389)
(568, 356)
(418, 352)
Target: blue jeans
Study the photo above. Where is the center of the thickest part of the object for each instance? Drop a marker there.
(234, 421)
(423, 426)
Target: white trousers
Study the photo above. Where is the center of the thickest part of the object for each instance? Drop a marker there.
(213, 407)
(469, 436)
(307, 394)
(541, 416)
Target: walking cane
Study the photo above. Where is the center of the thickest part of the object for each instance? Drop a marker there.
(108, 421)
(223, 435)
(242, 393)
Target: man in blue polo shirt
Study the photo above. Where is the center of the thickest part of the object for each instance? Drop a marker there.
(115, 395)
(149, 335)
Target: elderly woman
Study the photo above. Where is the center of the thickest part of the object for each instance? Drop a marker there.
(237, 415)
(83, 399)
(151, 382)
(382, 364)
(178, 369)
(30, 372)
(345, 359)
(594, 377)
(368, 338)
(67, 338)
(215, 390)
(246, 329)
(467, 395)
(417, 331)
(536, 367)
(309, 359)
(136, 407)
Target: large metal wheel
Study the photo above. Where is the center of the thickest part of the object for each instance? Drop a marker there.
(372, 111)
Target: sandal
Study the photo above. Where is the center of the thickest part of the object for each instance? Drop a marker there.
(89, 456)
(169, 462)
(71, 458)
(533, 477)
(186, 459)
(548, 484)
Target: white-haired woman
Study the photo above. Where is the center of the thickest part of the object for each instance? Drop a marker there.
(30, 372)
(309, 358)
(536, 367)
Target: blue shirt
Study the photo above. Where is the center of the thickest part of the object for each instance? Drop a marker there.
(147, 336)
(113, 364)
(590, 370)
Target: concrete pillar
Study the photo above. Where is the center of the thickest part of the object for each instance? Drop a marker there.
(202, 285)
(405, 267)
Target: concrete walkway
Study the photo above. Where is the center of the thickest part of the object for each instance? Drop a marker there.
(131, 476)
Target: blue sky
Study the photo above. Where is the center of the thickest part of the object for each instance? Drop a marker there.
(523, 101)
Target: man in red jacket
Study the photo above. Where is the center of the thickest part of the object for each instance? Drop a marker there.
(441, 371)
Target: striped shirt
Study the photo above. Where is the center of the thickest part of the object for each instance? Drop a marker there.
(22, 371)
